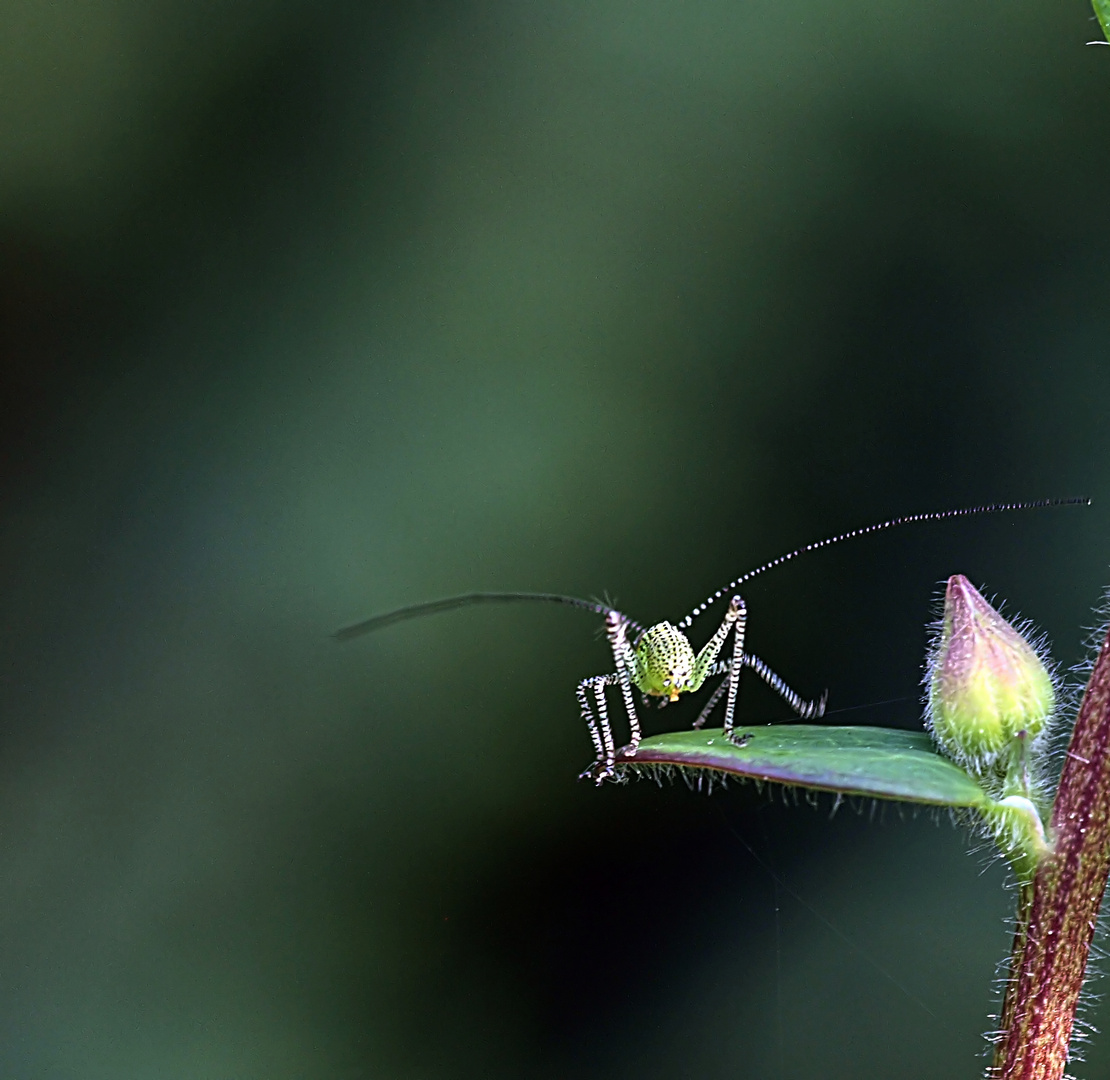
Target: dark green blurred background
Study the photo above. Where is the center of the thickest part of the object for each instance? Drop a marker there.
(315, 309)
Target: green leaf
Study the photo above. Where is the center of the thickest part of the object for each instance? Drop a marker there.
(1102, 10)
(878, 762)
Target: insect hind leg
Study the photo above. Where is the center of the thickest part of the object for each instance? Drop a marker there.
(730, 684)
(806, 710)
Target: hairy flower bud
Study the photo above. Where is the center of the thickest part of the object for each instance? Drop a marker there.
(989, 690)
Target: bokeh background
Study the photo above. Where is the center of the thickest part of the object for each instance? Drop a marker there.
(311, 310)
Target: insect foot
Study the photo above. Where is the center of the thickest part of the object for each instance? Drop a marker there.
(597, 772)
(601, 771)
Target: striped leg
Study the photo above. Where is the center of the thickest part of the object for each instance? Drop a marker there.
(616, 630)
(598, 723)
(806, 710)
(597, 715)
(588, 715)
(707, 664)
(711, 704)
(733, 678)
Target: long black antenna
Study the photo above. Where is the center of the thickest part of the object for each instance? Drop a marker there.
(433, 607)
(939, 515)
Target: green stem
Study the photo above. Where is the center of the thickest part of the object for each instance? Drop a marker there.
(1058, 907)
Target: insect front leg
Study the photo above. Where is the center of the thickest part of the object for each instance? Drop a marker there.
(597, 714)
(721, 668)
(735, 620)
(806, 710)
(598, 724)
(732, 680)
(616, 630)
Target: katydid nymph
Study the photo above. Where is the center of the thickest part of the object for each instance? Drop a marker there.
(659, 660)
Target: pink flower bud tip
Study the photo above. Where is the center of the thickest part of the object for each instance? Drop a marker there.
(987, 685)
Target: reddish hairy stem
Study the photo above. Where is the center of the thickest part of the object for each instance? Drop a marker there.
(1058, 908)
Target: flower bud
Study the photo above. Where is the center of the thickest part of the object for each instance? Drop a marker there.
(989, 690)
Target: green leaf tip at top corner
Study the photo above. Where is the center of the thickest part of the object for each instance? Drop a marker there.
(881, 763)
(1102, 10)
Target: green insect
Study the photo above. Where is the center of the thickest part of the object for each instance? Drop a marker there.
(659, 661)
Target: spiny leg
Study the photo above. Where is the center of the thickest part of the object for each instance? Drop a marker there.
(591, 724)
(716, 696)
(600, 731)
(616, 630)
(733, 679)
(735, 620)
(806, 710)
(599, 685)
